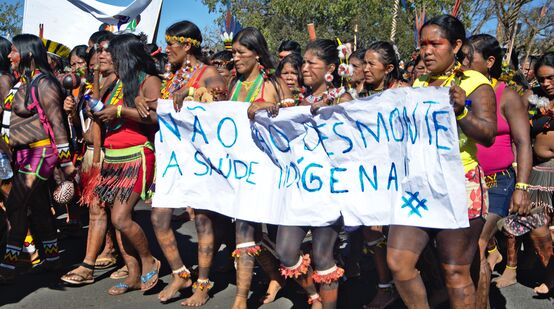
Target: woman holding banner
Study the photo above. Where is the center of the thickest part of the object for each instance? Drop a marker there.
(255, 84)
(319, 70)
(484, 55)
(189, 73)
(441, 38)
(380, 65)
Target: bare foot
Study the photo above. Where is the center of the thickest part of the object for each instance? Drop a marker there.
(507, 278)
(541, 289)
(171, 290)
(199, 298)
(494, 258)
(272, 290)
(240, 303)
(383, 298)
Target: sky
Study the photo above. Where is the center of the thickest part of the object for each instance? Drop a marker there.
(172, 11)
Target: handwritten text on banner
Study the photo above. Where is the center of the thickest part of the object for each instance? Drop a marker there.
(388, 159)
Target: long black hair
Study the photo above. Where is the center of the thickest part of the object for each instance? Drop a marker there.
(487, 46)
(452, 28)
(130, 59)
(32, 51)
(81, 52)
(188, 29)
(295, 60)
(5, 49)
(254, 40)
(327, 51)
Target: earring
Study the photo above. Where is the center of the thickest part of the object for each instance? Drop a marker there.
(329, 78)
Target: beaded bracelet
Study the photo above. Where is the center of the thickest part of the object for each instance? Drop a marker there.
(286, 103)
(522, 186)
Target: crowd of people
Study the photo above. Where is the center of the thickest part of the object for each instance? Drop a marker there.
(91, 131)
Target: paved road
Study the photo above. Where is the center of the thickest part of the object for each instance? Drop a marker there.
(46, 291)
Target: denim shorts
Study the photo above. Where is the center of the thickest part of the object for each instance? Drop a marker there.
(501, 186)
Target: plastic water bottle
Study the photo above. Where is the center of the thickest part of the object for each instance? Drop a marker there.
(95, 105)
(6, 171)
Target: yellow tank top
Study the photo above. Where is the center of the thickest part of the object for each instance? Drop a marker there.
(471, 81)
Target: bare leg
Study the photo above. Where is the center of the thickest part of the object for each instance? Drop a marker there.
(404, 247)
(509, 276)
(98, 223)
(542, 242)
(385, 292)
(205, 231)
(134, 241)
(161, 221)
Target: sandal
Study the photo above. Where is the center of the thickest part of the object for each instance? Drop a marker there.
(151, 279)
(78, 279)
(121, 273)
(105, 262)
(120, 288)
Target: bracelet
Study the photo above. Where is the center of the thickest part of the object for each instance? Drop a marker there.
(511, 267)
(463, 114)
(118, 112)
(522, 186)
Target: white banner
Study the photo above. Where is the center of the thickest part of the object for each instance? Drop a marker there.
(71, 22)
(390, 159)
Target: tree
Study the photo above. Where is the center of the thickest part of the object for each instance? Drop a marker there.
(10, 20)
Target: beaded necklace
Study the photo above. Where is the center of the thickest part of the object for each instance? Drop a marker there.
(330, 95)
(254, 89)
(180, 79)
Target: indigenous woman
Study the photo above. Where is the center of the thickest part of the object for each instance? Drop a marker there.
(40, 141)
(441, 38)
(381, 73)
(319, 70)
(128, 167)
(484, 55)
(6, 77)
(254, 84)
(419, 69)
(223, 62)
(99, 227)
(189, 74)
(290, 71)
(357, 80)
(541, 181)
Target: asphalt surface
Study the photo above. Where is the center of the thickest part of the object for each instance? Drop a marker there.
(47, 291)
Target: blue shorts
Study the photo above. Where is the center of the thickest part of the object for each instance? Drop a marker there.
(501, 186)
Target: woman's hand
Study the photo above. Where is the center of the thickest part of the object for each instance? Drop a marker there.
(457, 98)
(107, 115)
(272, 109)
(178, 98)
(69, 105)
(520, 203)
(143, 105)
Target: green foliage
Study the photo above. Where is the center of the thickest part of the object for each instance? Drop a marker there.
(287, 19)
(10, 19)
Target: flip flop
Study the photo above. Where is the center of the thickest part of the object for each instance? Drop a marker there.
(81, 280)
(120, 288)
(151, 277)
(121, 273)
(104, 263)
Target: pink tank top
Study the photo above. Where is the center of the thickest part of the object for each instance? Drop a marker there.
(500, 155)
